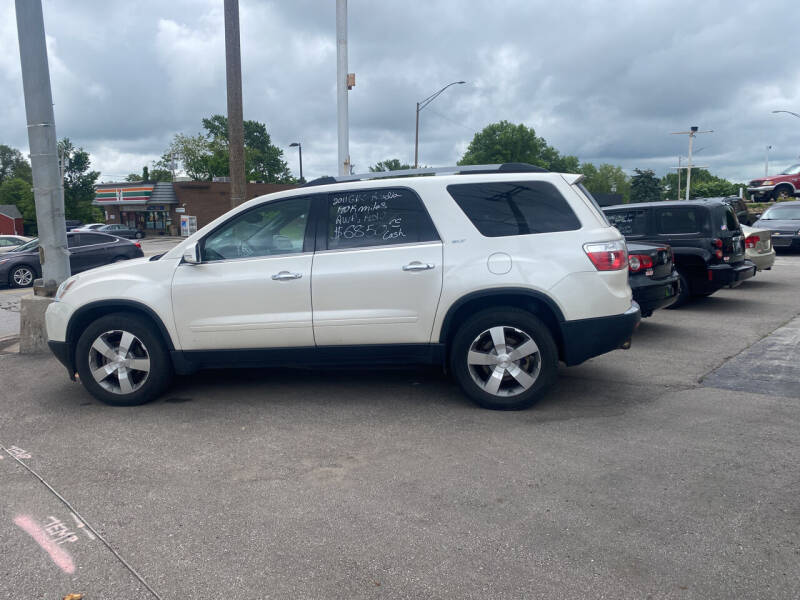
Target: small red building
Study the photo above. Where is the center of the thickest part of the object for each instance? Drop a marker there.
(10, 220)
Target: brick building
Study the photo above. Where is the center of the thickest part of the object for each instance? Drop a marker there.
(156, 208)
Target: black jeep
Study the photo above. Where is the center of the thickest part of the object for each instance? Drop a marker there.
(705, 236)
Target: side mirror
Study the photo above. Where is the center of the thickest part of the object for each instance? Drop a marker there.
(191, 254)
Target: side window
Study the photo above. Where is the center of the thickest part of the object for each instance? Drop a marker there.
(6, 243)
(73, 241)
(270, 229)
(87, 239)
(731, 222)
(377, 218)
(504, 209)
(629, 222)
(677, 220)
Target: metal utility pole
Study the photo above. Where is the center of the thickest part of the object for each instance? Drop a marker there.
(420, 105)
(233, 72)
(299, 147)
(342, 87)
(691, 133)
(766, 161)
(47, 190)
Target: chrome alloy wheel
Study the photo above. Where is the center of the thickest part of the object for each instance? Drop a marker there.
(119, 362)
(23, 277)
(504, 361)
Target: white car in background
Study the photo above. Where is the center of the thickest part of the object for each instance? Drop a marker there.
(12, 242)
(758, 247)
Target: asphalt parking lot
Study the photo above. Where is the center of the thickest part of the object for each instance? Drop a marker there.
(670, 470)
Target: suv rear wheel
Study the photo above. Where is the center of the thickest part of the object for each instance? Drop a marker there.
(122, 361)
(504, 358)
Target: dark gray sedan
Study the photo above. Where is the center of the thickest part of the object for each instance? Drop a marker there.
(122, 231)
(783, 219)
(87, 250)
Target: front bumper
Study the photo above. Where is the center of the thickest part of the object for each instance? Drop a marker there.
(651, 294)
(585, 338)
(785, 241)
(64, 355)
(761, 189)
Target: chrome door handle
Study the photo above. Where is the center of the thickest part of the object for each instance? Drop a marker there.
(417, 266)
(286, 275)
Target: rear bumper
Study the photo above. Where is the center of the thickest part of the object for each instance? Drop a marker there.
(585, 338)
(652, 294)
(762, 261)
(733, 275)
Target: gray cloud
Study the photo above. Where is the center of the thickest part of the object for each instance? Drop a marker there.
(606, 81)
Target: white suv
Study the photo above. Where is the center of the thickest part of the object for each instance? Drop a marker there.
(496, 271)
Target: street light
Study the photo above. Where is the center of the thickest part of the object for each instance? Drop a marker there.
(693, 131)
(766, 161)
(787, 112)
(300, 149)
(420, 105)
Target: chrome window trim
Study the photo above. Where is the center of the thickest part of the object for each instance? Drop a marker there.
(382, 247)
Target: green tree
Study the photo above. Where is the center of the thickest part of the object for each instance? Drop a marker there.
(606, 179)
(704, 185)
(506, 142)
(206, 155)
(78, 184)
(13, 165)
(19, 192)
(390, 164)
(645, 186)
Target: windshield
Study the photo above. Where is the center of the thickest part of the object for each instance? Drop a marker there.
(782, 213)
(32, 245)
(793, 170)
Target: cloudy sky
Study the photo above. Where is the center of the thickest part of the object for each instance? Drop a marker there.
(606, 81)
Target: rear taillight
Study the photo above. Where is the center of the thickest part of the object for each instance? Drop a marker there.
(717, 243)
(637, 262)
(138, 245)
(607, 256)
(751, 241)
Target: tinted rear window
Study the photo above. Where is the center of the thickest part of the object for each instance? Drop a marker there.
(629, 222)
(504, 209)
(679, 220)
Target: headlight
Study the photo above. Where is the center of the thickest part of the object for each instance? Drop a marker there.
(62, 289)
(767, 182)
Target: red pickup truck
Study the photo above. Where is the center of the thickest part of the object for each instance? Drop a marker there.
(776, 187)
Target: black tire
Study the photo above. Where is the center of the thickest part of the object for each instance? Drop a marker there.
(21, 276)
(139, 235)
(119, 259)
(148, 344)
(782, 192)
(517, 326)
(684, 293)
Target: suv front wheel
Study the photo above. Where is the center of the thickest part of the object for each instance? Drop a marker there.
(122, 361)
(504, 358)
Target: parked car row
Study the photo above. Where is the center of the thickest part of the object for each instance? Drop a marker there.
(494, 272)
(87, 249)
(710, 248)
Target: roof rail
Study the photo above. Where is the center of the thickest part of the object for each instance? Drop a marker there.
(455, 170)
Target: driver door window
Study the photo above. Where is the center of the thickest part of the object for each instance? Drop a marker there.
(272, 229)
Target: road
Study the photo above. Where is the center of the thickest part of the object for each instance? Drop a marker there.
(666, 471)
